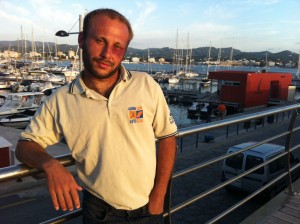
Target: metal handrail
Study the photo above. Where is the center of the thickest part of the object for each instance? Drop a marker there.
(19, 171)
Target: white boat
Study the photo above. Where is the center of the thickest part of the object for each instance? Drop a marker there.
(191, 74)
(205, 82)
(19, 102)
(173, 80)
(68, 73)
(54, 78)
(2, 100)
(19, 121)
(199, 110)
(5, 85)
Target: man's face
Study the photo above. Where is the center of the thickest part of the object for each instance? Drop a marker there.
(104, 46)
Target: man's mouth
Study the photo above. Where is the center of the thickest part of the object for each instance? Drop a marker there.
(103, 63)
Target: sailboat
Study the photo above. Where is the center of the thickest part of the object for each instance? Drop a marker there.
(186, 70)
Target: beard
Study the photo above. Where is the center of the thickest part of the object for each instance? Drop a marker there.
(90, 68)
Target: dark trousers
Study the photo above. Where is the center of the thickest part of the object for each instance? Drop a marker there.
(96, 211)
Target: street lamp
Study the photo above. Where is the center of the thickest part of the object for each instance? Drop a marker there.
(62, 33)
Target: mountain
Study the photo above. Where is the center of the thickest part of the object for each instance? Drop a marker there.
(198, 54)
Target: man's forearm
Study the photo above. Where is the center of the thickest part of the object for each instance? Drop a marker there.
(61, 183)
(165, 163)
(32, 154)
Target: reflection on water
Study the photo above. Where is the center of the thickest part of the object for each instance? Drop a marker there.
(204, 69)
(179, 114)
(190, 85)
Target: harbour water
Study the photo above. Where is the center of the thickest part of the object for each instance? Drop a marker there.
(204, 69)
(179, 112)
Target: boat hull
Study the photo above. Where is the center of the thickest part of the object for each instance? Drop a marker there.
(19, 121)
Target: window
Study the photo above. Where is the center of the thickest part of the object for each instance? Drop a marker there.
(232, 83)
(277, 165)
(236, 161)
(252, 161)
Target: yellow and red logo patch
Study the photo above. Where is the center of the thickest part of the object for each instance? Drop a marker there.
(136, 114)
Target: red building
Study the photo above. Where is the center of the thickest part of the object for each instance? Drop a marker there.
(251, 89)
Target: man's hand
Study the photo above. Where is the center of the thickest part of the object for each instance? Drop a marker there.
(62, 186)
(156, 203)
(61, 183)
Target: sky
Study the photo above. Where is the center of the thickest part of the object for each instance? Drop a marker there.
(246, 25)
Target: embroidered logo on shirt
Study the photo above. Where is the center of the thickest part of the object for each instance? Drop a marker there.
(136, 114)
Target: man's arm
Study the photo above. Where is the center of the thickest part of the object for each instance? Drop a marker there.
(61, 183)
(165, 163)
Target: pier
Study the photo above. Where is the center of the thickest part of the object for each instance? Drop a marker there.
(197, 193)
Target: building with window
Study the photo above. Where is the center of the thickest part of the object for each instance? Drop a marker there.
(247, 90)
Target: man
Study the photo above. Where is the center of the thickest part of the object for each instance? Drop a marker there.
(109, 118)
(221, 110)
(209, 110)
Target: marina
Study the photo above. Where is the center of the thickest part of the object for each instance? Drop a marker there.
(230, 74)
(180, 94)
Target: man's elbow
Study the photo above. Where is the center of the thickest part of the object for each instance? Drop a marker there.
(20, 150)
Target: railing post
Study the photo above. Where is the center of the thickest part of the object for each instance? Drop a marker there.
(227, 131)
(181, 143)
(289, 182)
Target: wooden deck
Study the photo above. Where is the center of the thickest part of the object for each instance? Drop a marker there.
(283, 209)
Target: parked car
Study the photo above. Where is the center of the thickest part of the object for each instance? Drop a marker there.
(241, 162)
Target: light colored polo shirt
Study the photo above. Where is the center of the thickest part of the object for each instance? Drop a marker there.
(112, 140)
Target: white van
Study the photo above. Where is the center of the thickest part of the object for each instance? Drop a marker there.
(246, 160)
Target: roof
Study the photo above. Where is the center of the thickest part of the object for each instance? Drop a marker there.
(264, 149)
(26, 94)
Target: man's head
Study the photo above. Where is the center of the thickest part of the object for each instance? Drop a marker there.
(104, 41)
(112, 14)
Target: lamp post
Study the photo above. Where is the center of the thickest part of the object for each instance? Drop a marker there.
(62, 33)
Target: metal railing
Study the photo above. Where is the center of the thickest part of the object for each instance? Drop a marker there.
(20, 171)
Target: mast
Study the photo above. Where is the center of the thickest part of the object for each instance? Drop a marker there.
(25, 47)
(187, 56)
(175, 62)
(219, 59)
(208, 60)
(191, 60)
(18, 47)
(32, 45)
(43, 54)
(22, 46)
(298, 70)
(149, 72)
(266, 60)
(231, 58)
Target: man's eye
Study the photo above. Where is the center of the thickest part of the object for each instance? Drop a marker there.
(119, 47)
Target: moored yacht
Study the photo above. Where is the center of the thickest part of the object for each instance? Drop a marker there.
(19, 102)
(173, 80)
(20, 120)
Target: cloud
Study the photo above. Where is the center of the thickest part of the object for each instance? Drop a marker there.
(218, 12)
(146, 10)
(258, 2)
